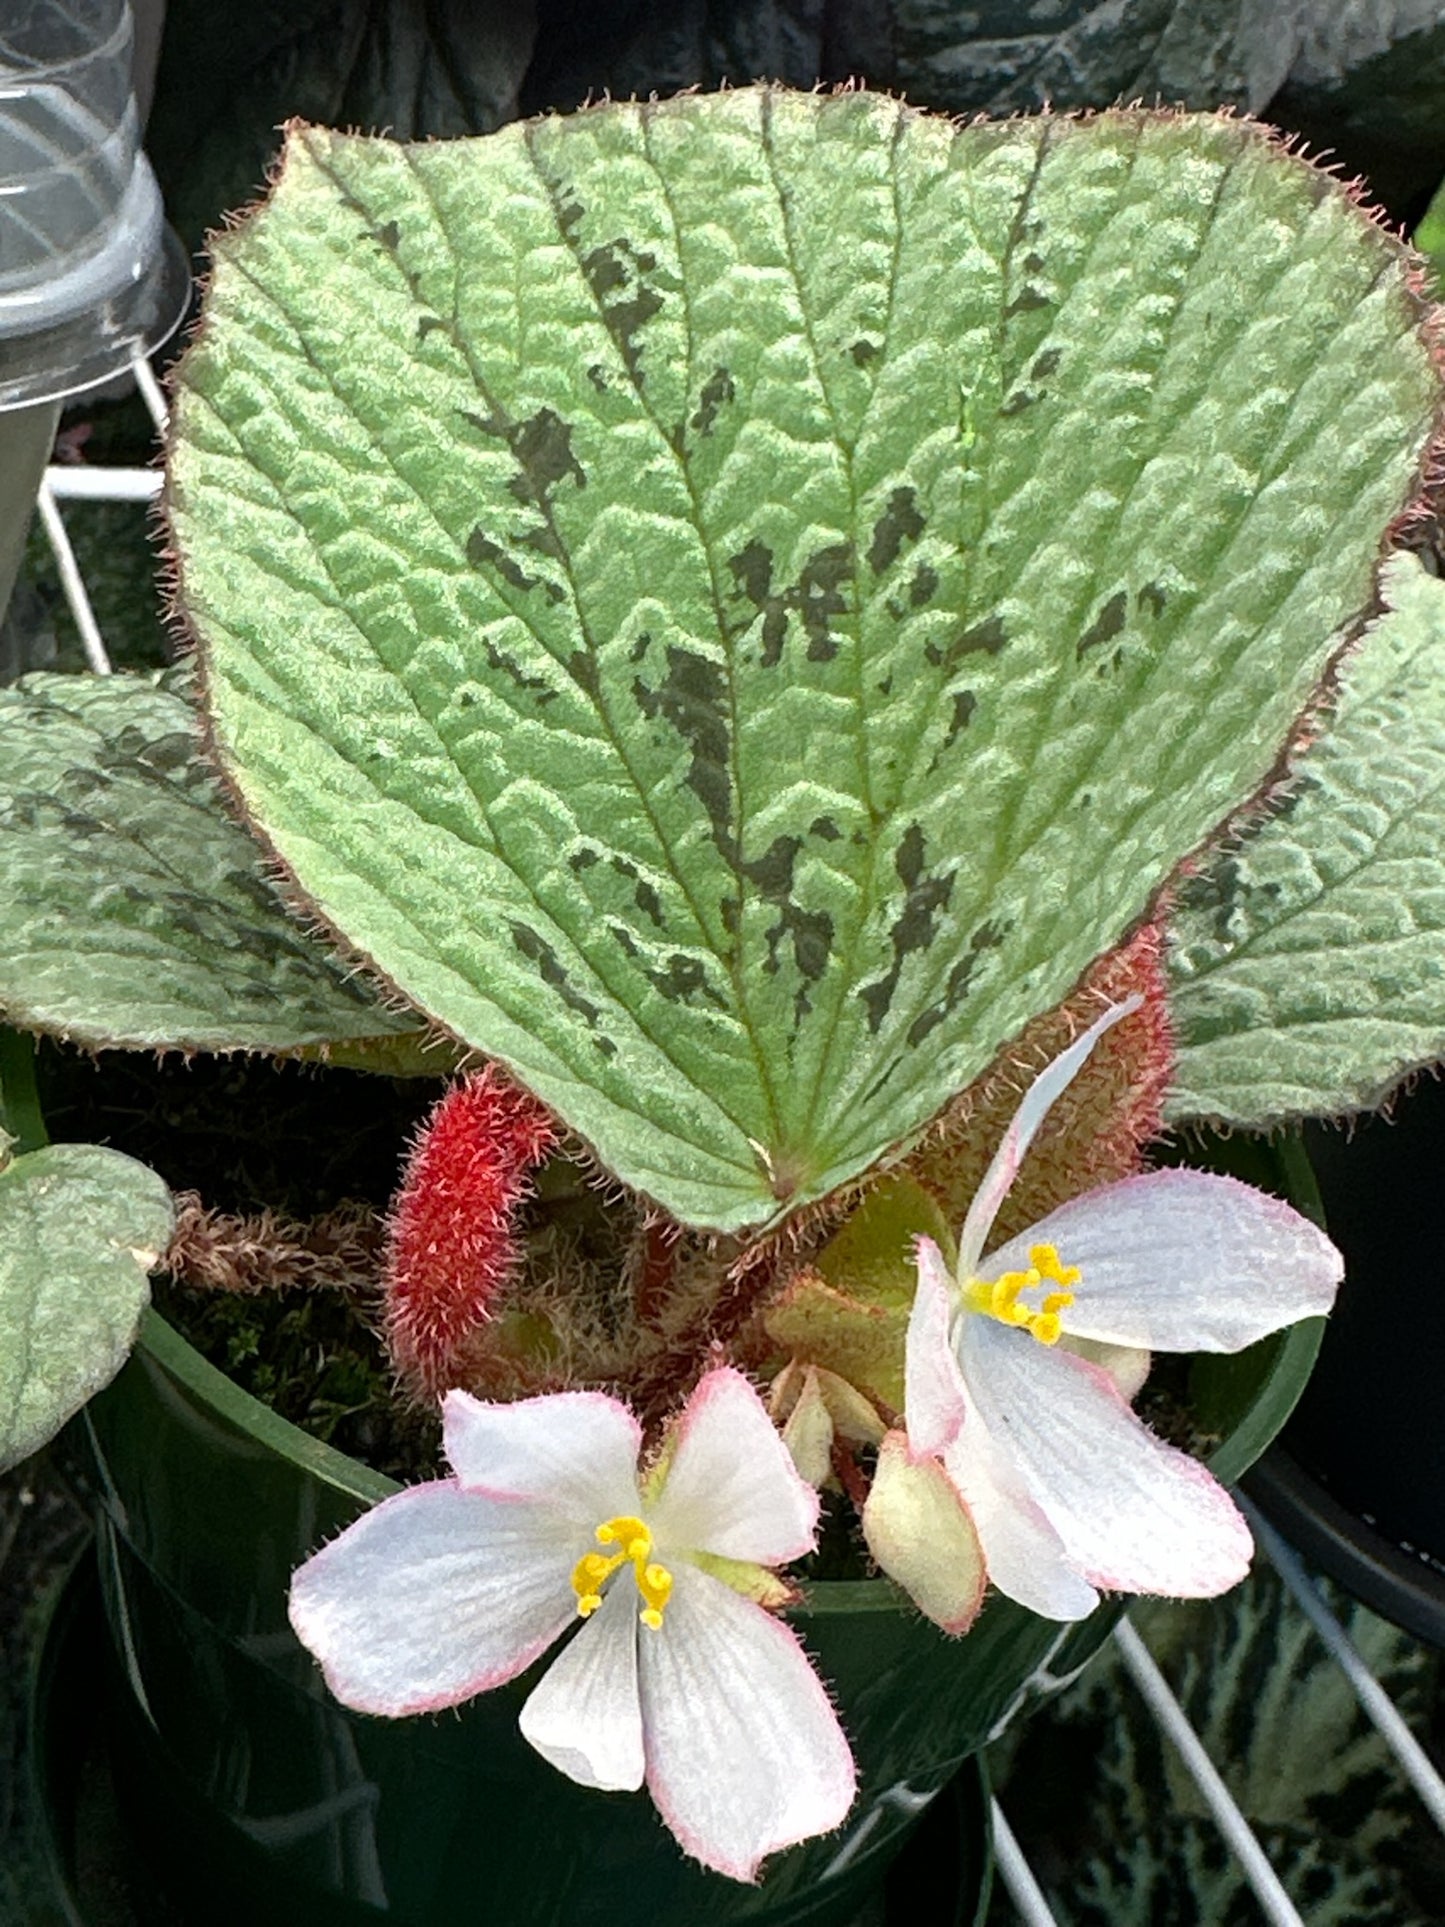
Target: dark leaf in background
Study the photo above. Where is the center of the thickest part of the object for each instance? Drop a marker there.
(1365, 78)
(999, 57)
(1369, 82)
(414, 68)
(996, 56)
(626, 47)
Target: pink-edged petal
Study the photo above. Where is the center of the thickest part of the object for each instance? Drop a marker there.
(933, 1395)
(919, 1531)
(744, 1751)
(1024, 1557)
(584, 1715)
(1038, 1100)
(1133, 1514)
(432, 1596)
(576, 1451)
(1183, 1261)
(731, 1485)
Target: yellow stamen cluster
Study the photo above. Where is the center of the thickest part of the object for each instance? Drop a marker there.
(1000, 1297)
(594, 1569)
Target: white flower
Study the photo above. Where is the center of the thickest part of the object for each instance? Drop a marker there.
(674, 1676)
(1069, 1491)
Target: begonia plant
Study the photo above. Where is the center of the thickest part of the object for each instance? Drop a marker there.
(822, 667)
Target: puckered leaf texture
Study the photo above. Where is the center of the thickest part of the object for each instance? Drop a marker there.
(1308, 964)
(80, 1227)
(136, 911)
(733, 603)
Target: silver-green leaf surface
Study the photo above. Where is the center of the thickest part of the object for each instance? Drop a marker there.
(136, 911)
(733, 603)
(80, 1228)
(1308, 964)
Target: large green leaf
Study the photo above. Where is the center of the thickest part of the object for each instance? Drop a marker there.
(135, 911)
(733, 604)
(1308, 965)
(80, 1227)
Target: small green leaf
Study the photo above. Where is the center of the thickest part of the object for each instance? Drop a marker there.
(136, 912)
(22, 1122)
(848, 1310)
(1308, 964)
(734, 603)
(859, 1340)
(871, 1258)
(80, 1228)
(1430, 237)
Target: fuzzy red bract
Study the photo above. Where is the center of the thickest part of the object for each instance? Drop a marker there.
(451, 1244)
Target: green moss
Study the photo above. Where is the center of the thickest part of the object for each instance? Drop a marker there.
(317, 1359)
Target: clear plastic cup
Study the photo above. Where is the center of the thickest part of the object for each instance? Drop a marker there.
(90, 275)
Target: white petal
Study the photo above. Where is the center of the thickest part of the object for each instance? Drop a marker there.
(933, 1399)
(731, 1484)
(584, 1715)
(1024, 1556)
(1038, 1099)
(432, 1596)
(919, 1531)
(577, 1451)
(744, 1751)
(1183, 1261)
(1134, 1514)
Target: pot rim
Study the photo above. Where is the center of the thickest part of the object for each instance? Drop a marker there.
(1402, 1583)
(1264, 1415)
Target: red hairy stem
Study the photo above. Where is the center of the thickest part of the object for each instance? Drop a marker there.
(451, 1242)
(657, 1268)
(849, 1474)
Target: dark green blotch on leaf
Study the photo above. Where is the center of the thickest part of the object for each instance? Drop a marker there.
(717, 391)
(981, 638)
(694, 700)
(549, 967)
(646, 898)
(915, 926)
(1106, 625)
(811, 931)
(817, 597)
(481, 548)
(985, 938)
(900, 522)
(1026, 301)
(921, 589)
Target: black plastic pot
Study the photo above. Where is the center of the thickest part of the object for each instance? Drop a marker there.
(115, 1816)
(253, 1796)
(1357, 1481)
